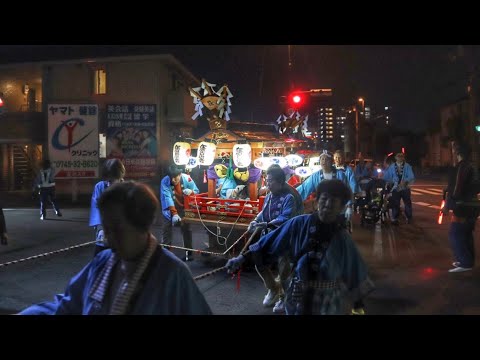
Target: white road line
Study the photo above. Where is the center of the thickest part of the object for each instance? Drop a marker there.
(438, 191)
(421, 203)
(429, 191)
(428, 185)
(13, 209)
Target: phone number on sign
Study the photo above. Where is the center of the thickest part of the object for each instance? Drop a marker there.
(76, 164)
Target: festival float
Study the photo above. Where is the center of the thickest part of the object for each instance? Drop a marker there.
(234, 156)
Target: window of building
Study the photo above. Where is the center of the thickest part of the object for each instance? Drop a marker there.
(102, 146)
(100, 82)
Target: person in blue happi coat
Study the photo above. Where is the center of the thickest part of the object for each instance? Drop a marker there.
(330, 275)
(136, 275)
(113, 172)
(173, 188)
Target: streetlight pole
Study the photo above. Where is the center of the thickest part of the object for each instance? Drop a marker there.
(363, 103)
(356, 131)
(357, 125)
(290, 68)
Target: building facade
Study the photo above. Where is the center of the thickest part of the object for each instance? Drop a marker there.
(159, 81)
(454, 122)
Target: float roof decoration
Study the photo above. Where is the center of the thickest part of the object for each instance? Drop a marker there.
(292, 123)
(217, 102)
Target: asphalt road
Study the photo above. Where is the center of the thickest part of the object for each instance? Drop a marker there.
(408, 263)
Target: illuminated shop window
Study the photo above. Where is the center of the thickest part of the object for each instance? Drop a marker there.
(100, 82)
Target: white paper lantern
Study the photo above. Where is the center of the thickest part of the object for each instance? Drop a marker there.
(181, 153)
(294, 160)
(279, 160)
(192, 162)
(206, 153)
(303, 171)
(314, 163)
(242, 155)
(262, 163)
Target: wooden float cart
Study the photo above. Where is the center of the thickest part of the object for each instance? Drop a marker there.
(233, 215)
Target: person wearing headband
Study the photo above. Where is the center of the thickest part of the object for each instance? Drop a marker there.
(327, 172)
(400, 173)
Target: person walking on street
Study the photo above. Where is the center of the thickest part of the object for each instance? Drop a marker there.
(340, 165)
(136, 275)
(461, 191)
(330, 276)
(278, 207)
(400, 173)
(327, 172)
(45, 182)
(173, 188)
(113, 172)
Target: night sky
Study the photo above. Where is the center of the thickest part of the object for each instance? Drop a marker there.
(415, 79)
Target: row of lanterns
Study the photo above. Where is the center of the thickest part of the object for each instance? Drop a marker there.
(242, 154)
(242, 157)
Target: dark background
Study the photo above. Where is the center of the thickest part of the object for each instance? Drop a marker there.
(416, 80)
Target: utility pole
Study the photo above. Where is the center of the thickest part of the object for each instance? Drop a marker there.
(262, 69)
(290, 67)
(357, 124)
(356, 132)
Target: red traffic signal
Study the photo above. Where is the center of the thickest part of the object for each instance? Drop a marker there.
(296, 100)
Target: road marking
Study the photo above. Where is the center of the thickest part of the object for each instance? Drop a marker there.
(13, 209)
(421, 203)
(438, 191)
(425, 185)
(430, 191)
(424, 193)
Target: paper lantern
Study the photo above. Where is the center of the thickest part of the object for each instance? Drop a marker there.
(279, 160)
(294, 160)
(181, 153)
(314, 163)
(262, 163)
(206, 153)
(303, 171)
(192, 162)
(242, 155)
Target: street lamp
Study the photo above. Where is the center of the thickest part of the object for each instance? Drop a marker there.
(360, 99)
(356, 130)
(357, 124)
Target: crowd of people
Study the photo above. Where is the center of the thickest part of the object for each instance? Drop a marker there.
(308, 262)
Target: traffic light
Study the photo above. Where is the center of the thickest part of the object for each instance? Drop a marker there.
(477, 128)
(297, 100)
